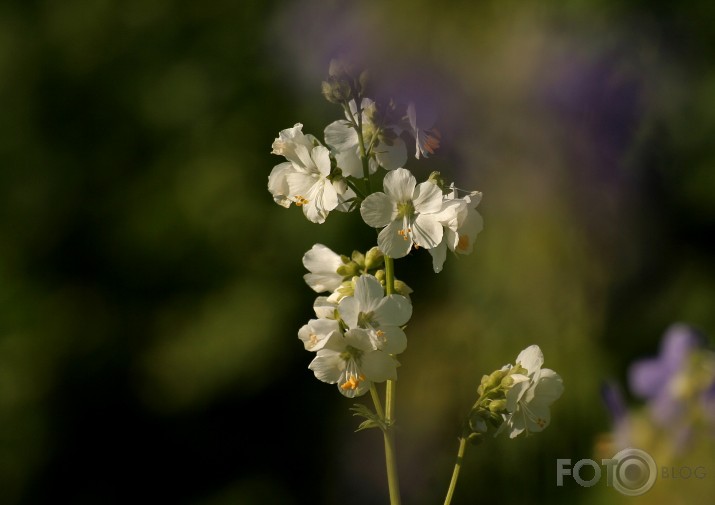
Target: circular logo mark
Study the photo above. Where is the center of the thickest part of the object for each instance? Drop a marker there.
(635, 472)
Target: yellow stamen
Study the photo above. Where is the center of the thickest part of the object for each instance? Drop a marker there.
(300, 201)
(353, 382)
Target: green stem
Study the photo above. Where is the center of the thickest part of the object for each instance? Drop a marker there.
(376, 401)
(389, 275)
(393, 481)
(390, 459)
(361, 143)
(455, 473)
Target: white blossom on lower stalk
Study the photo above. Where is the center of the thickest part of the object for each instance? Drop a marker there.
(318, 332)
(407, 211)
(353, 364)
(381, 316)
(323, 264)
(529, 399)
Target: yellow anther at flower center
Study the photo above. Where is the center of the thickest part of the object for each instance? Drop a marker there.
(405, 233)
(300, 200)
(353, 382)
(380, 333)
(313, 340)
(541, 423)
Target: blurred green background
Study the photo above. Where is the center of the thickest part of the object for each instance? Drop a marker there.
(151, 291)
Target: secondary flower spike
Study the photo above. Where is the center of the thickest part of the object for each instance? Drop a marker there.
(529, 398)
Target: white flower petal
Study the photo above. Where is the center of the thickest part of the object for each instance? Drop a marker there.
(427, 198)
(393, 310)
(323, 264)
(395, 340)
(531, 358)
(427, 232)
(278, 185)
(392, 157)
(359, 339)
(327, 366)
(324, 308)
(377, 210)
(349, 309)
(399, 185)
(378, 366)
(340, 136)
(321, 159)
(368, 292)
(439, 255)
(349, 162)
(391, 242)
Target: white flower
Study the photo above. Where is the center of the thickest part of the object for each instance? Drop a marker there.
(323, 265)
(461, 223)
(351, 362)
(285, 145)
(305, 178)
(426, 137)
(407, 210)
(318, 332)
(381, 316)
(309, 186)
(528, 400)
(343, 139)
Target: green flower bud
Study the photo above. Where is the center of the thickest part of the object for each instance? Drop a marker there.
(380, 275)
(359, 258)
(507, 382)
(436, 179)
(349, 270)
(337, 90)
(374, 258)
(402, 288)
(497, 406)
(494, 380)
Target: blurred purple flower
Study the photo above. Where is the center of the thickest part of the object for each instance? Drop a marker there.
(612, 396)
(651, 378)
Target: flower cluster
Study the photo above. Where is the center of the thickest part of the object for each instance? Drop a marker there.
(362, 308)
(336, 176)
(356, 339)
(516, 398)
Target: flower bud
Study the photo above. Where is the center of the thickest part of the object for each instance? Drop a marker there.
(437, 179)
(494, 380)
(507, 382)
(402, 289)
(349, 270)
(359, 258)
(497, 406)
(373, 258)
(336, 90)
